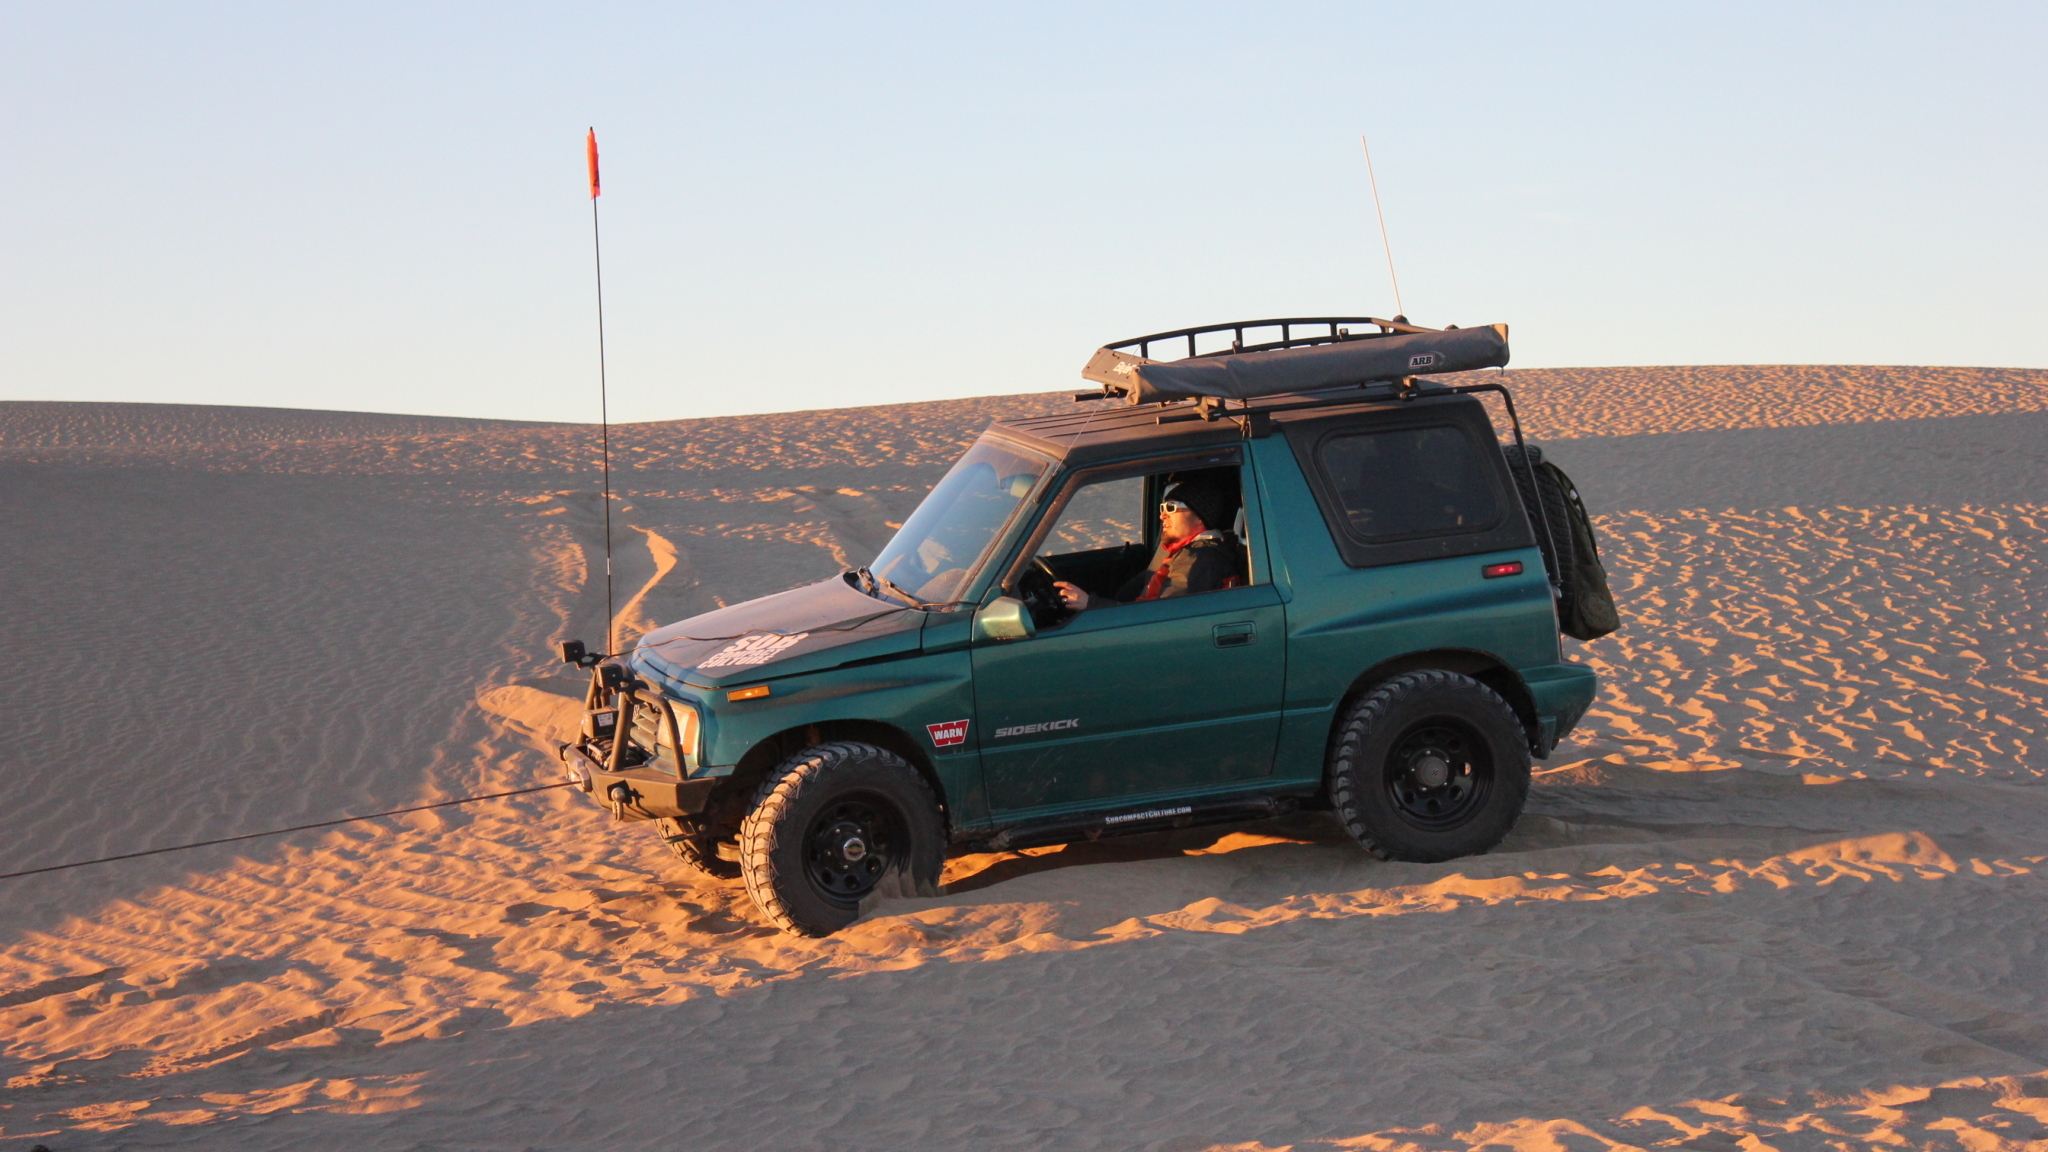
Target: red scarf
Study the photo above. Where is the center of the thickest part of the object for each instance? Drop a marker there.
(1157, 583)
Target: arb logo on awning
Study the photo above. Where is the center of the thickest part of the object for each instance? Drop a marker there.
(948, 734)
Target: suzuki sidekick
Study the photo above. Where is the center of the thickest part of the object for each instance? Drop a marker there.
(1376, 634)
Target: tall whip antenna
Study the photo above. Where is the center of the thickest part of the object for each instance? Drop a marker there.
(1399, 310)
(604, 414)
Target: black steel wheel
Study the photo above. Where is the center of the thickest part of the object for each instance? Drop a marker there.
(1440, 772)
(1429, 766)
(830, 827)
(851, 845)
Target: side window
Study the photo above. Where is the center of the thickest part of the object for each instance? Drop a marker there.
(1409, 482)
(1126, 538)
(1105, 514)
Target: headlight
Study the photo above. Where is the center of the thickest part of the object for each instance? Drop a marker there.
(686, 728)
(665, 729)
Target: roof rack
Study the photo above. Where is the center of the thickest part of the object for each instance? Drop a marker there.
(1294, 363)
(1286, 324)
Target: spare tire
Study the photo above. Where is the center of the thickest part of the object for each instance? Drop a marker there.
(1538, 488)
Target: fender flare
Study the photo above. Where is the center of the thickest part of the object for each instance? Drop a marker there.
(1484, 667)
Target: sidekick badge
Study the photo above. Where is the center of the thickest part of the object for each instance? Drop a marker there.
(948, 734)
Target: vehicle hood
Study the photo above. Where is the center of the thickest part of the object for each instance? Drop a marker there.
(805, 629)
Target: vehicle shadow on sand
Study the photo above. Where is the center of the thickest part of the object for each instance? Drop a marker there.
(970, 871)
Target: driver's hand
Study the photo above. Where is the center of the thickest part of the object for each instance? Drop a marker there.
(1071, 596)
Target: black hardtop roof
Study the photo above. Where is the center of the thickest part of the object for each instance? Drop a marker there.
(1111, 431)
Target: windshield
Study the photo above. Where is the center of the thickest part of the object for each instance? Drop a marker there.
(943, 541)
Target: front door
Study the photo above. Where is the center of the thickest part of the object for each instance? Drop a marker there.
(1161, 696)
(1133, 698)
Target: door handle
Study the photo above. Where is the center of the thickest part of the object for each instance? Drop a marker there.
(1235, 635)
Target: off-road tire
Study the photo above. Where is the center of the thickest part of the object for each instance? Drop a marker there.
(1560, 551)
(687, 842)
(1382, 784)
(799, 885)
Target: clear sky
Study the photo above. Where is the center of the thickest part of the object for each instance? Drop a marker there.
(382, 207)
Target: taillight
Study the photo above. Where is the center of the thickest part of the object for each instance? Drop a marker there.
(1509, 568)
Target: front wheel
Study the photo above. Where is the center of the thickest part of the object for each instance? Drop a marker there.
(1429, 766)
(829, 826)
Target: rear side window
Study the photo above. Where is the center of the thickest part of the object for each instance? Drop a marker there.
(1401, 483)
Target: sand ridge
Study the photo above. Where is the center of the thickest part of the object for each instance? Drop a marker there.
(41, 425)
(1556, 403)
(1783, 893)
(1570, 403)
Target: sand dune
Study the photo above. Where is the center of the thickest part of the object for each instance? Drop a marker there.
(1784, 892)
(32, 426)
(919, 439)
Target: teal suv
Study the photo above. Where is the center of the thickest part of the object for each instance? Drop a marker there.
(1367, 624)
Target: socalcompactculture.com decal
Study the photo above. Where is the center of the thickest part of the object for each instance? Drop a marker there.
(756, 649)
(948, 734)
(1154, 814)
(1042, 726)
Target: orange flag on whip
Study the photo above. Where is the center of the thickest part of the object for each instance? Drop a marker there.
(590, 149)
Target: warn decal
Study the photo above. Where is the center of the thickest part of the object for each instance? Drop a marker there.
(948, 734)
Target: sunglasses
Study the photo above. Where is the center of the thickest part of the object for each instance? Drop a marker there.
(1175, 506)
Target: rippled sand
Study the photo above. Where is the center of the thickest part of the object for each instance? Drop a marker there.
(1783, 891)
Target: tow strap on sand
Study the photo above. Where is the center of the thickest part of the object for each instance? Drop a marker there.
(282, 831)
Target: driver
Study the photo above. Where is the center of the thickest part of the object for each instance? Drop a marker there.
(1192, 556)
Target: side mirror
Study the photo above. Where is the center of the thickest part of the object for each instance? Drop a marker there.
(1006, 618)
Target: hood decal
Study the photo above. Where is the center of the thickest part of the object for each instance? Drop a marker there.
(748, 650)
(803, 629)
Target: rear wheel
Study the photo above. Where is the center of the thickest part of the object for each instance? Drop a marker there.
(1429, 766)
(830, 827)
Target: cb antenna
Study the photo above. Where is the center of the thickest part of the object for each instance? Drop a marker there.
(1377, 211)
(604, 415)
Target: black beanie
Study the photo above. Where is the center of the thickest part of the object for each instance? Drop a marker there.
(1217, 510)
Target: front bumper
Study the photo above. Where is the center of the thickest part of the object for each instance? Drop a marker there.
(635, 793)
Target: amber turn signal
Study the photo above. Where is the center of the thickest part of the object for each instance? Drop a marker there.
(754, 693)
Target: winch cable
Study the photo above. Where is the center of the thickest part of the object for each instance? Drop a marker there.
(854, 626)
(282, 831)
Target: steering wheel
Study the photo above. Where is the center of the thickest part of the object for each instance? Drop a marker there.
(1035, 589)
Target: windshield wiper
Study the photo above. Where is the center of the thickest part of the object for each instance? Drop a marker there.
(871, 583)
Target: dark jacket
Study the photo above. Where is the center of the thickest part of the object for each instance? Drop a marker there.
(1210, 561)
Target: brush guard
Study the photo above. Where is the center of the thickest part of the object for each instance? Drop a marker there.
(631, 755)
